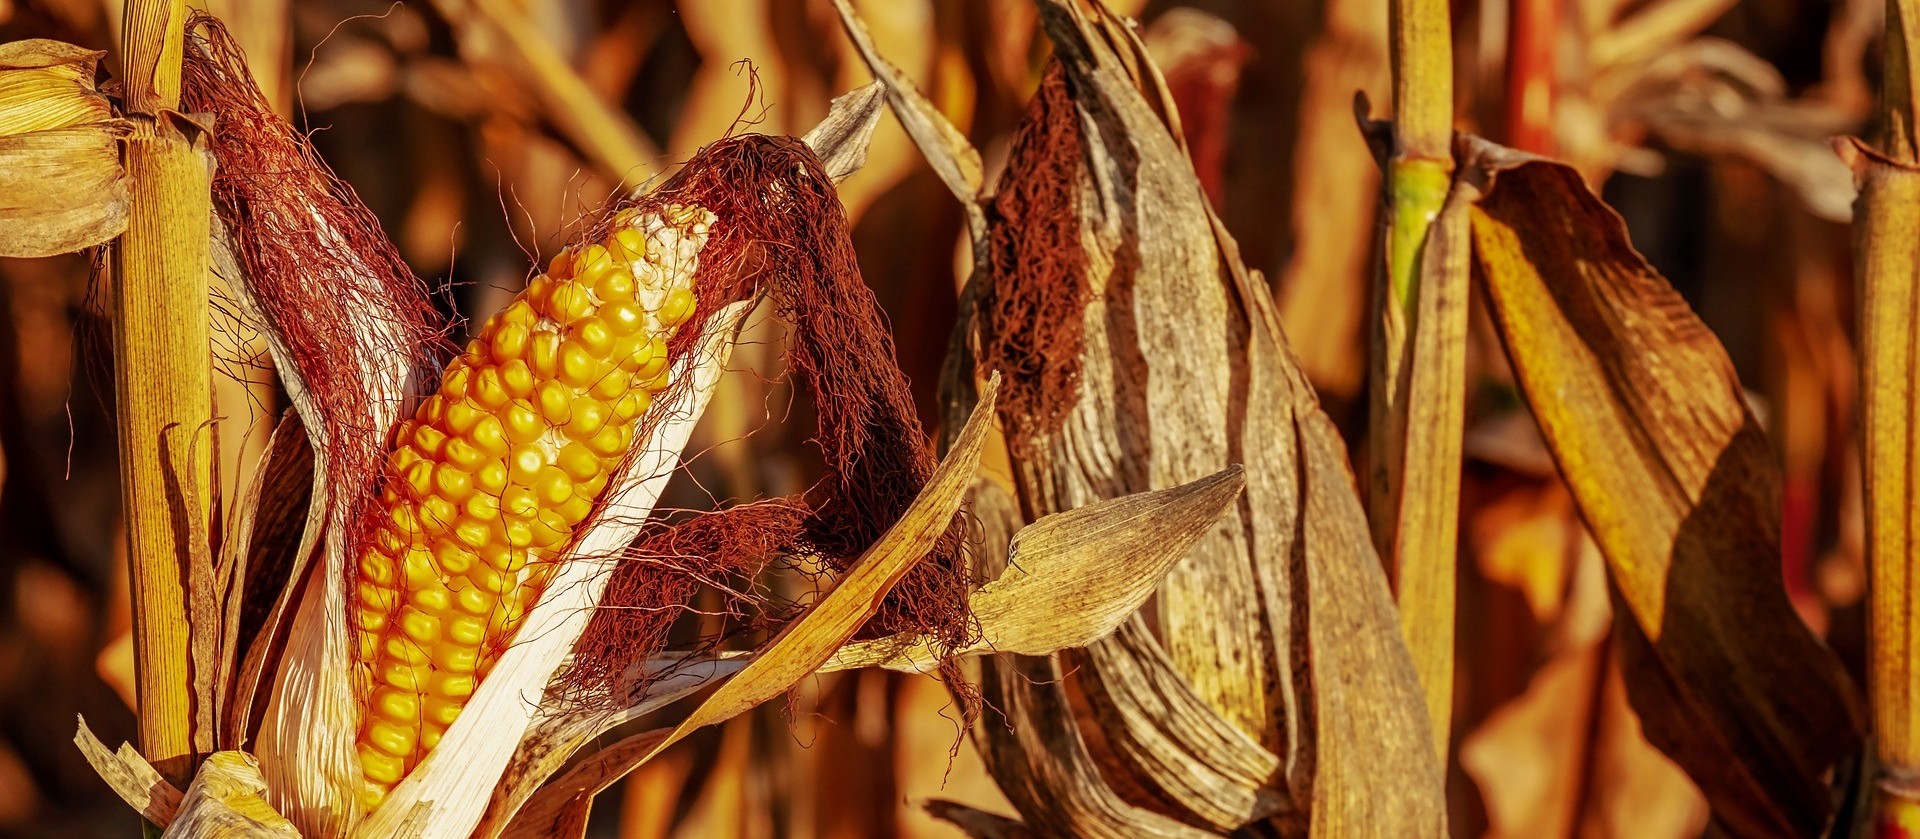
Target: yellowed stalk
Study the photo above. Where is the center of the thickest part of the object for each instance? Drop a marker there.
(1887, 247)
(162, 376)
(1418, 355)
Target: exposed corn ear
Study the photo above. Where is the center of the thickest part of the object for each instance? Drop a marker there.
(489, 481)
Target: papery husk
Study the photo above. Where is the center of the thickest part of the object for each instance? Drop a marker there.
(1072, 578)
(1644, 415)
(130, 776)
(227, 801)
(1335, 696)
(62, 186)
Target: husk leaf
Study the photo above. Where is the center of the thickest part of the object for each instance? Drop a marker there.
(227, 801)
(62, 187)
(1645, 417)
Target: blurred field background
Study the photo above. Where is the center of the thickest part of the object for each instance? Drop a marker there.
(479, 129)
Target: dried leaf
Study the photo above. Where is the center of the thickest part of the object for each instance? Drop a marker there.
(560, 809)
(841, 140)
(61, 183)
(1073, 577)
(1160, 730)
(225, 801)
(1644, 415)
(979, 824)
(48, 85)
(130, 776)
(953, 158)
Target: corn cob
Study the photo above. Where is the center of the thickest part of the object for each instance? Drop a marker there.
(489, 479)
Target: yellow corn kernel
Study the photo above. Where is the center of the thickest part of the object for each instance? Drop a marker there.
(378, 568)
(588, 417)
(611, 441)
(418, 569)
(461, 416)
(610, 387)
(455, 658)
(592, 264)
(469, 631)
(542, 355)
(578, 367)
(423, 628)
(576, 509)
(517, 377)
(403, 676)
(452, 557)
(520, 501)
(396, 705)
(452, 482)
(622, 318)
(437, 513)
(453, 387)
(617, 285)
(595, 336)
(474, 601)
(629, 407)
(438, 711)
(677, 307)
(569, 303)
(492, 478)
(381, 768)
(591, 487)
(552, 486)
(489, 437)
(509, 342)
(433, 599)
(524, 464)
(473, 534)
(562, 265)
(399, 649)
(462, 455)
(555, 401)
(628, 245)
(524, 424)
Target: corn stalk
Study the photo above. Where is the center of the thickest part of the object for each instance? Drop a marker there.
(1418, 356)
(1887, 239)
(162, 378)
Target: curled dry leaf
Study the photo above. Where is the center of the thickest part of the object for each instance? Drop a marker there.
(226, 801)
(1643, 413)
(62, 187)
(1072, 578)
(130, 776)
(841, 140)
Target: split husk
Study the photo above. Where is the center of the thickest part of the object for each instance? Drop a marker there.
(1303, 690)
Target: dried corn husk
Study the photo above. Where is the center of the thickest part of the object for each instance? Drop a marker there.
(62, 187)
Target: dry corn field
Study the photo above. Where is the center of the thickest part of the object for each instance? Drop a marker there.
(959, 418)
